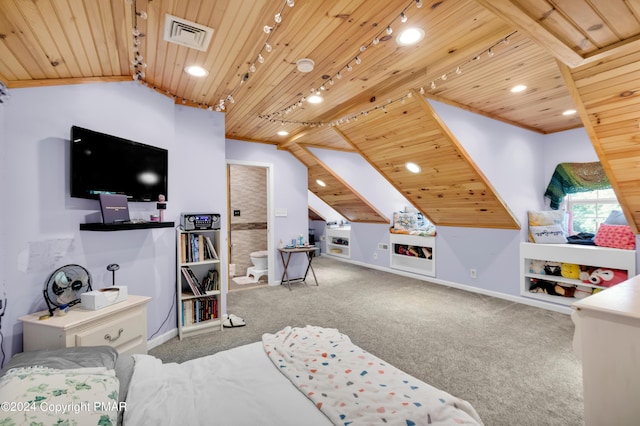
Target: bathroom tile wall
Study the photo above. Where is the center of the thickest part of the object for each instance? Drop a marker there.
(248, 194)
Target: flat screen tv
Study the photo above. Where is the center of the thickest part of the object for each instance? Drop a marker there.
(102, 163)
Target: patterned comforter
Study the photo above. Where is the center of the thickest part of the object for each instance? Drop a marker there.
(352, 386)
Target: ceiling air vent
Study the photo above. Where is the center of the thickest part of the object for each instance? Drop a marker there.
(186, 33)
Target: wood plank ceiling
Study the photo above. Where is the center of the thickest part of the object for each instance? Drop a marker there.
(448, 173)
(473, 52)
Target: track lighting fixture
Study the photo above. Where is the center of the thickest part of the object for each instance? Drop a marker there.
(382, 36)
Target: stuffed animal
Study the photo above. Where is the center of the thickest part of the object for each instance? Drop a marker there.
(552, 268)
(536, 266)
(570, 270)
(411, 251)
(564, 291)
(607, 277)
(542, 286)
(551, 288)
(427, 252)
(582, 291)
(585, 273)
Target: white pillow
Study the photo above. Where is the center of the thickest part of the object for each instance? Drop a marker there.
(548, 234)
(82, 396)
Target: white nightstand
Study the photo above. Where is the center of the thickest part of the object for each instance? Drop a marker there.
(122, 326)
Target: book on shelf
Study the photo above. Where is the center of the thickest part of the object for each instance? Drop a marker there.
(211, 247)
(196, 248)
(199, 310)
(183, 251)
(193, 285)
(210, 281)
(196, 282)
(186, 313)
(201, 250)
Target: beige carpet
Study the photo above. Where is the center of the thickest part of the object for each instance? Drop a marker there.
(513, 362)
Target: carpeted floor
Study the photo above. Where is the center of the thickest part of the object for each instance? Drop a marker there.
(513, 362)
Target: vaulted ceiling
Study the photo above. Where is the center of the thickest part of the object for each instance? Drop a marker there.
(577, 54)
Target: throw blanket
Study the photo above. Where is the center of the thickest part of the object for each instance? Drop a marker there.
(569, 178)
(351, 386)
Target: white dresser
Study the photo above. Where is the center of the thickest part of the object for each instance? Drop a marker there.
(608, 341)
(122, 326)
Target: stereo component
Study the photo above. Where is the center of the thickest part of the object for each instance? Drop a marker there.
(196, 221)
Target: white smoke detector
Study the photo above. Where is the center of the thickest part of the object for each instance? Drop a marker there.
(305, 65)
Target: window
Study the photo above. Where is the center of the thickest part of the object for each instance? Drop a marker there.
(589, 209)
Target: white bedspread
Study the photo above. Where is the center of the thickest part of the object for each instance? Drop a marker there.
(238, 387)
(353, 387)
(241, 387)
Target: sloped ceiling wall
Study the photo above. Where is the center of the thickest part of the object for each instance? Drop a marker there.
(597, 49)
(450, 190)
(336, 192)
(608, 98)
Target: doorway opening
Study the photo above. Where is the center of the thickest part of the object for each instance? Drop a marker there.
(251, 259)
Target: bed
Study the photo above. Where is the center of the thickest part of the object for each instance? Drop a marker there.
(299, 375)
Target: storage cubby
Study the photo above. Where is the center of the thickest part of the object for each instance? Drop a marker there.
(338, 242)
(594, 256)
(413, 253)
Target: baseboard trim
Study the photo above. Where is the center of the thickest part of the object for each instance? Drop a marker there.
(163, 338)
(517, 299)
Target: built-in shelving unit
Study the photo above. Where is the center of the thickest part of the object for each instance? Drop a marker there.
(600, 257)
(199, 282)
(338, 242)
(413, 253)
(106, 227)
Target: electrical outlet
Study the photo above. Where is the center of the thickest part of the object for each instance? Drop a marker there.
(375, 255)
(473, 273)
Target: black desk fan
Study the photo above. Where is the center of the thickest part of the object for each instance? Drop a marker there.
(64, 286)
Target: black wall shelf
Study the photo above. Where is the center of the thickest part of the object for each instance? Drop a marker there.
(106, 227)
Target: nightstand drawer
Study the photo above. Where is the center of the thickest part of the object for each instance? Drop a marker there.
(126, 333)
(82, 327)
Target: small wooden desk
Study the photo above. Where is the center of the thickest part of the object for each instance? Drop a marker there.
(285, 261)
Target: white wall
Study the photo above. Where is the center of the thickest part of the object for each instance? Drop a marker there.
(512, 160)
(323, 209)
(572, 146)
(40, 228)
(375, 189)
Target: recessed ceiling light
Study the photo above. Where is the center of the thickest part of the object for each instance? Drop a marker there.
(410, 36)
(569, 112)
(283, 133)
(321, 183)
(518, 88)
(413, 167)
(196, 71)
(315, 99)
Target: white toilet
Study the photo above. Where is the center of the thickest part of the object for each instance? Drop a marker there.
(260, 260)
